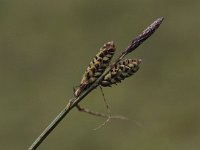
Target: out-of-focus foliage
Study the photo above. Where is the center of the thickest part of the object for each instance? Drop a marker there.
(45, 47)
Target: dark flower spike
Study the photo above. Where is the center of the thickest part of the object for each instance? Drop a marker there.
(120, 71)
(97, 66)
(142, 37)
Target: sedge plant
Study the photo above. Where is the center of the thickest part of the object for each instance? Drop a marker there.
(101, 72)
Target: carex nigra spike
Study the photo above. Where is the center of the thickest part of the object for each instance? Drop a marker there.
(144, 35)
(97, 66)
(120, 71)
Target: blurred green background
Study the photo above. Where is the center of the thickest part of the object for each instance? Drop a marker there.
(46, 45)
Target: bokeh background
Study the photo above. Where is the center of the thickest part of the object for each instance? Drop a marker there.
(46, 45)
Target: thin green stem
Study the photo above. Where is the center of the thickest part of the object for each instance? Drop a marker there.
(50, 127)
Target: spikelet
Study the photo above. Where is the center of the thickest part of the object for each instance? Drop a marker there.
(121, 70)
(97, 66)
(100, 62)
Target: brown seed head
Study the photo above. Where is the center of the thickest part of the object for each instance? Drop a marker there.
(120, 71)
(97, 66)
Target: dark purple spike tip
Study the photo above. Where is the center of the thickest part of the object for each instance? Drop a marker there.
(160, 19)
(156, 23)
(144, 35)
